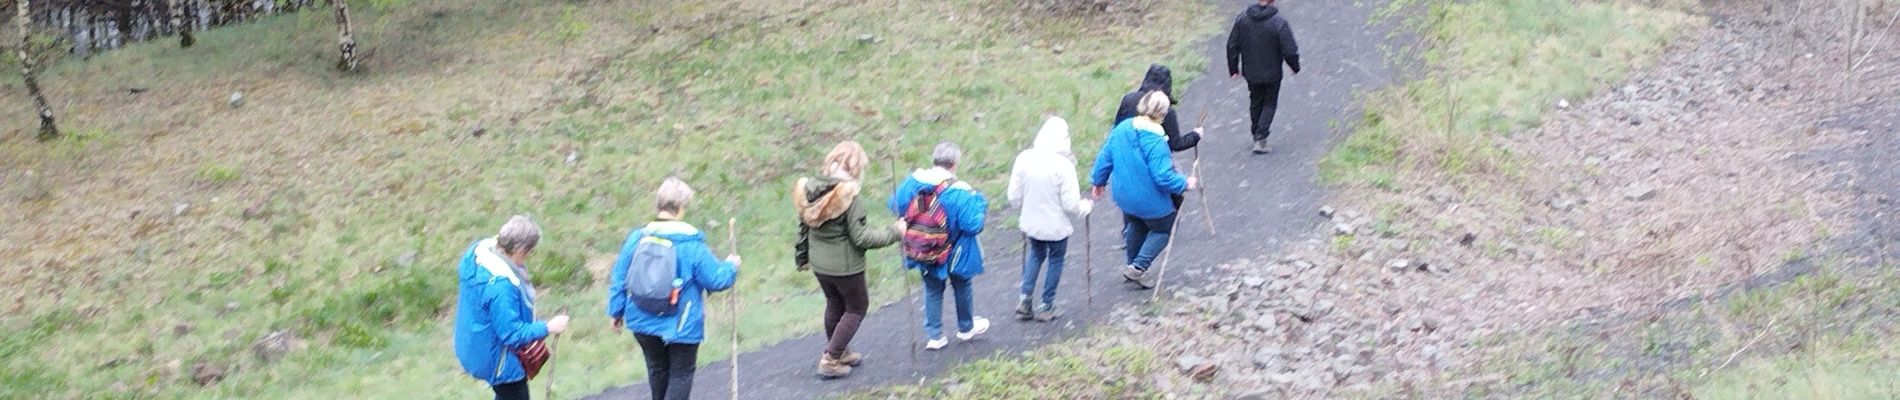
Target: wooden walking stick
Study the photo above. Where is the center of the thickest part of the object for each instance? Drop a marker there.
(1088, 257)
(1207, 213)
(549, 367)
(891, 163)
(732, 301)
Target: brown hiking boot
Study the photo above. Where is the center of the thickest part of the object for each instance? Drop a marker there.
(832, 368)
(851, 358)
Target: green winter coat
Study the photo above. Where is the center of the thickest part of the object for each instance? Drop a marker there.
(832, 231)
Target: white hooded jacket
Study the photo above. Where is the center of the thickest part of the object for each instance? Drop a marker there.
(1043, 185)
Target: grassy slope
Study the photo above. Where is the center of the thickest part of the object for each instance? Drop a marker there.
(351, 173)
(1492, 67)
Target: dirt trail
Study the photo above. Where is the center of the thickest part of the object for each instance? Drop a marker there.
(1260, 203)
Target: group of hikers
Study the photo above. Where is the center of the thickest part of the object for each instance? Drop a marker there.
(665, 268)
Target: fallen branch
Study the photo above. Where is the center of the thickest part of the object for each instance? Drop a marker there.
(1745, 346)
(1877, 42)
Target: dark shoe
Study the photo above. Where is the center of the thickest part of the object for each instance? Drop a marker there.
(1047, 313)
(1261, 147)
(1023, 310)
(832, 368)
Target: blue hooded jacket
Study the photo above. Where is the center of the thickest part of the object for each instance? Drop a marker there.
(698, 267)
(965, 209)
(493, 313)
(1138, 169)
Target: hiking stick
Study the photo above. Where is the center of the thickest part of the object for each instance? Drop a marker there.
(732, 301)
(1088, 257)
(1163, 275)
(892, 164)
(1207, 213)
(550, 363)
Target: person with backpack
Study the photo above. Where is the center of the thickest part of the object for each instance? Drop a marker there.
(1260, 41)
(1135, 163)
(659, 288)
(1159, 78)
(497, 339)
(943, 217)
(1043, 185)
(833, 234)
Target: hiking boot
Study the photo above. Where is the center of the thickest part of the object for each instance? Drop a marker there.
(1261, 147)
(832, 368)
(1023, 310)
(936, 344)
(1132, 274)
(977, 327)
(852, 358)
(1047, 313)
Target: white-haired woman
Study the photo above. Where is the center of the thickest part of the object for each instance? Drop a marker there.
(494, 313)
(1136, 164)
(669, 334)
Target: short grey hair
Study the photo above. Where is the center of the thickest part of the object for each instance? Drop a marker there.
(1154, 105)
(673, 195)
(519, 234)
(946, 155)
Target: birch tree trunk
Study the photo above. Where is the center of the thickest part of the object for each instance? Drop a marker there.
(346, 41)
(48, 131)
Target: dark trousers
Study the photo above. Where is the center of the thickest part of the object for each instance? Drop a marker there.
(1054, 254)
(1263, 99)
(669, 367)
(517, 390)
(846, 301)
(1146, 238)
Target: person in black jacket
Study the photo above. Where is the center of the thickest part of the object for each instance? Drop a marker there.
(1261, 40)
(1159, 78)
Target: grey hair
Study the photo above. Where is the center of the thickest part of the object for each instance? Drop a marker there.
(519, 234)
(946, 155)
(1154, 105)
(673, 195)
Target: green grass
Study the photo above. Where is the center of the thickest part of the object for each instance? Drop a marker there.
(1493, 67)
(1093, 367)
(356, 171)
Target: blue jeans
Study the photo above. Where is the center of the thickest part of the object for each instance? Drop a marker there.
(1146, 238)
(1040, 251)
(933, 305)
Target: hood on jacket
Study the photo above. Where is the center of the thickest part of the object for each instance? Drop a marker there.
(493, 265)
(823, 198)
(1262, 12)
(1054, 137)
(1158, 78)
(674, 231)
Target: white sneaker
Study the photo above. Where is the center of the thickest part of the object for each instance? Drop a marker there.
(938, 343)
(978, 325)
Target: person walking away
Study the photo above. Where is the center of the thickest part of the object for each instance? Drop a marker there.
(1161, 79)
(943, 217)
(1135, 163)
(832, 236)
(1043, 185)
(1260, 41)
(494, 310)
(659, 288)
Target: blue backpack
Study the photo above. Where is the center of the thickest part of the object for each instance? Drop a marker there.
(653, 279)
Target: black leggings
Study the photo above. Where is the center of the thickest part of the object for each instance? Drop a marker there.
(517, 390)
(846, 301)
(669, 367)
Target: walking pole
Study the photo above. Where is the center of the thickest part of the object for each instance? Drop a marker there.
(1088, 257)
(892, 164)
(549, 368)
(1207, 213)
(732, 301)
